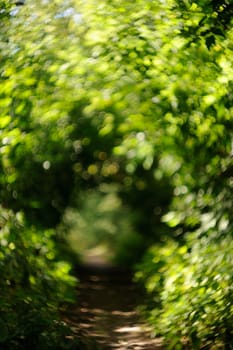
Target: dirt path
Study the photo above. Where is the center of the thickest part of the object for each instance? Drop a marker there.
(106, 315)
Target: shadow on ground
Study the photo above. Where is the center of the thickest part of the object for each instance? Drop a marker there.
(106, 315)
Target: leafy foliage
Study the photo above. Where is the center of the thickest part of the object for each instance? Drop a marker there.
(137, 94)
(191, 291)
(33, 284)
(205, 19)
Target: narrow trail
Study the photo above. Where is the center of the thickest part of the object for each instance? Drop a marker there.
(106, 315)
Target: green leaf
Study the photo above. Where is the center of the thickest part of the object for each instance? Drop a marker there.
(4, 121)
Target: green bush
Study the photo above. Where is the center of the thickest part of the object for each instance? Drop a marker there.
(33, 285)
(191, 287)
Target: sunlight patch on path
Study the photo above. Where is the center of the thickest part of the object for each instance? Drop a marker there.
(106, 312)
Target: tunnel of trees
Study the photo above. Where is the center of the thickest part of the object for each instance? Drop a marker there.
(117, 124)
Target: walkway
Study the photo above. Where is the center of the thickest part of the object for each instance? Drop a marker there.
(106, 315)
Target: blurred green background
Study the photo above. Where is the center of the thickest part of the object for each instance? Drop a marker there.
(116, 139)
